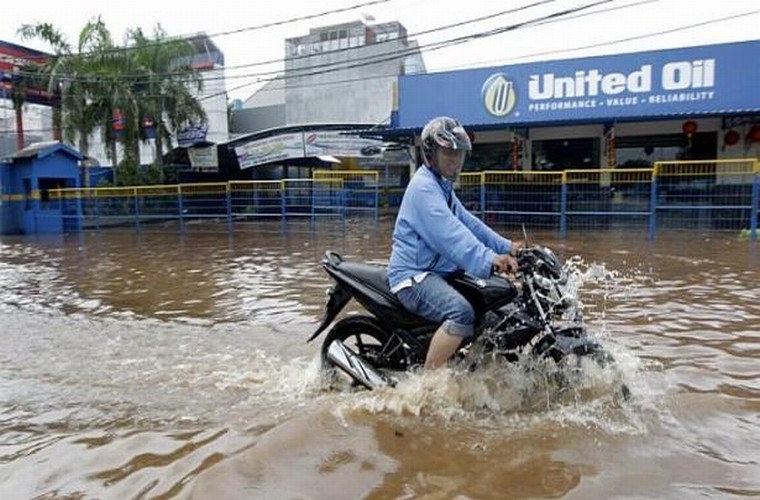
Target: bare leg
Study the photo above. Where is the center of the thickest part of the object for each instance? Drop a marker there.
(442, 347)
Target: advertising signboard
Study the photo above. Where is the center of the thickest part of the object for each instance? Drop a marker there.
(336, 143)
(204, 159)
(278, 147)
(192, 134)
(695, 80)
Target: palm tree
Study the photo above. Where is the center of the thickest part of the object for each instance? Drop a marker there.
(168, 86)
(148, 78)
(68, 72)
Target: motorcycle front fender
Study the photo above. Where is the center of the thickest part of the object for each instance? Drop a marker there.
(338, 298)
(565, 341)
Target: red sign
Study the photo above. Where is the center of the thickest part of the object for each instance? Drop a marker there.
(13, 58)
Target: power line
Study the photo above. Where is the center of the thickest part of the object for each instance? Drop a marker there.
(390, 56)
(238, 30)
(656, 33)
(541, 53)
(394, 55)
(300, 18)
(491, 16)
(524, 25)
(436, 29)
(548, 52)
(456, 41)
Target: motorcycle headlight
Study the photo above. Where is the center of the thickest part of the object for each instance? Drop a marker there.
(543, 283)
(552, 291)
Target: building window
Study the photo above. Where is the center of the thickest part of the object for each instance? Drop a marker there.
(46, 184)
(563, 154)
(490, 156)
(642, 151)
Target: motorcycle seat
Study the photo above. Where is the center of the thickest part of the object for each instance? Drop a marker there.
(369, 285)
(373, 275)
(376, 278)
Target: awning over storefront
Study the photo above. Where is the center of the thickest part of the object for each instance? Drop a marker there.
(695, 81)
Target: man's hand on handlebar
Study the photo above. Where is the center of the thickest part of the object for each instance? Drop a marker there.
(505, 263)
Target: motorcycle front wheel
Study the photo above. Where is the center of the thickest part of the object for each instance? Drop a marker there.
(562, 347)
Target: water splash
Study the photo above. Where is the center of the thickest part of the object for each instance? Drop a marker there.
(515, 395)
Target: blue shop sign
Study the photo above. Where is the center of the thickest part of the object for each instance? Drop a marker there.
(714, 79)
(192, 134)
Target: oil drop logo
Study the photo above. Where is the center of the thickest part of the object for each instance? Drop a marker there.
(499, 96)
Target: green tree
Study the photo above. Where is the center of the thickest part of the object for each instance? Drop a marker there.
(167, 88)
(73, 73)
(145, 78)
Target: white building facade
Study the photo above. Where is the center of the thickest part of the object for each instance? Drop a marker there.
(343, 73)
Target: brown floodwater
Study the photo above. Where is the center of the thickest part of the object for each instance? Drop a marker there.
(155, 364)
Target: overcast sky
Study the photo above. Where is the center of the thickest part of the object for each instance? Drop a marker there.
(617, 26)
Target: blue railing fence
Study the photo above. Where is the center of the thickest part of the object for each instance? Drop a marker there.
(714, 195)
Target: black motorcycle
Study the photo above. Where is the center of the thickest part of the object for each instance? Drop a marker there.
(514, 318)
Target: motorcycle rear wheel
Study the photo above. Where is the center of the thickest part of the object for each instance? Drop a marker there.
(371, 342)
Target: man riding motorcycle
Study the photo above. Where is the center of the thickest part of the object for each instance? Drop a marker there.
(436, 235)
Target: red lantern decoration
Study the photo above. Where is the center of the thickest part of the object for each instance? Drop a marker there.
(731, 138)
(689, 127)
(754, 134)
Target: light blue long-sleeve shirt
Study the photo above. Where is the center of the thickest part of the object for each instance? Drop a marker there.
(433, 222)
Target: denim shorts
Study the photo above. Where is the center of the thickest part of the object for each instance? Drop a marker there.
(437, 301)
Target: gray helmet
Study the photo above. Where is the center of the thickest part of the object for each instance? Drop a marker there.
(444, 132)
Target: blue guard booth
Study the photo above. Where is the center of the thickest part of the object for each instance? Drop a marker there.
(26, 177)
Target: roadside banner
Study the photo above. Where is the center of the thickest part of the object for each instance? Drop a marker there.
(204, 159)
(336, 143)
(278, 147)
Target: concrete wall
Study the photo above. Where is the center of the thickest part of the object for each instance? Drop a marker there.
(257, 119)
(214, 101)
(38, 125)
(271, 94)
(360, 93)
